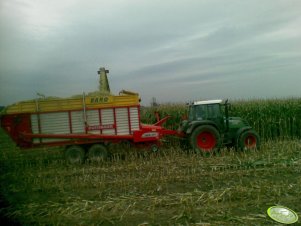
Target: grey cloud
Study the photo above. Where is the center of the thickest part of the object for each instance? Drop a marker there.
(171, 49)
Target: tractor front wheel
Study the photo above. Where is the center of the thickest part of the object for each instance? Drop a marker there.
(205, 139)
(248, 140)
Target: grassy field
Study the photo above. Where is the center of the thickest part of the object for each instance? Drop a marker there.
(170, 188)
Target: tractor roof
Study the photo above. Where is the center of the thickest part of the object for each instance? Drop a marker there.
(207, 102)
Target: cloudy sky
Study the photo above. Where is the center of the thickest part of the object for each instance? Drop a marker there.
(172, 50)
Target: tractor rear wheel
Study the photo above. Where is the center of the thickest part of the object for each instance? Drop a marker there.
(97, 153)
(248, 140)
(75, 154)
(205, 139)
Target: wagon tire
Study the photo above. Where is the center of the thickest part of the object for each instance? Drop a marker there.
(97, 153)
(205, 139)
(75, 154)
(248, 140)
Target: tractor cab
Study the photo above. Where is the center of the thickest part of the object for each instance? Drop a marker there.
(210, 110)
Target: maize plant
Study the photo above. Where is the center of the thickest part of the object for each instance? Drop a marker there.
(271, 118)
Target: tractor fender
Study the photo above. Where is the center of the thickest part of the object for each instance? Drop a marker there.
(240, 131)
(196, 124)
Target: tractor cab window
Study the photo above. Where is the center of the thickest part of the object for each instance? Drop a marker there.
(209, 111)
(201, 112)
(204, 111)
(191, 113)
(214, 111)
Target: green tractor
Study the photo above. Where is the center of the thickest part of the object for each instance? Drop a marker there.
(209, 127)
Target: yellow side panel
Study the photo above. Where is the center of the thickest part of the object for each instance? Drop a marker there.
(65, 104)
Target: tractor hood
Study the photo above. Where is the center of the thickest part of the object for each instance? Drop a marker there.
(237, 122)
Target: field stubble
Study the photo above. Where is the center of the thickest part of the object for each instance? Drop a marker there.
(170, 188)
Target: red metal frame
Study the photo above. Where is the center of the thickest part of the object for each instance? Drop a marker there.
(115, 122)
(70, 121)
(129, 120)
(100, 121)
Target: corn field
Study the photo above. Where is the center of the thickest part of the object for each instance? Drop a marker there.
(169, 188)
(272, 119)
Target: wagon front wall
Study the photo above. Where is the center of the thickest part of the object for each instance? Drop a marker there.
(16, 124)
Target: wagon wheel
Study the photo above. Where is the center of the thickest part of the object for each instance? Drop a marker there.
(248, 140)
(97, 153)
(205, 139)
(75, 154)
